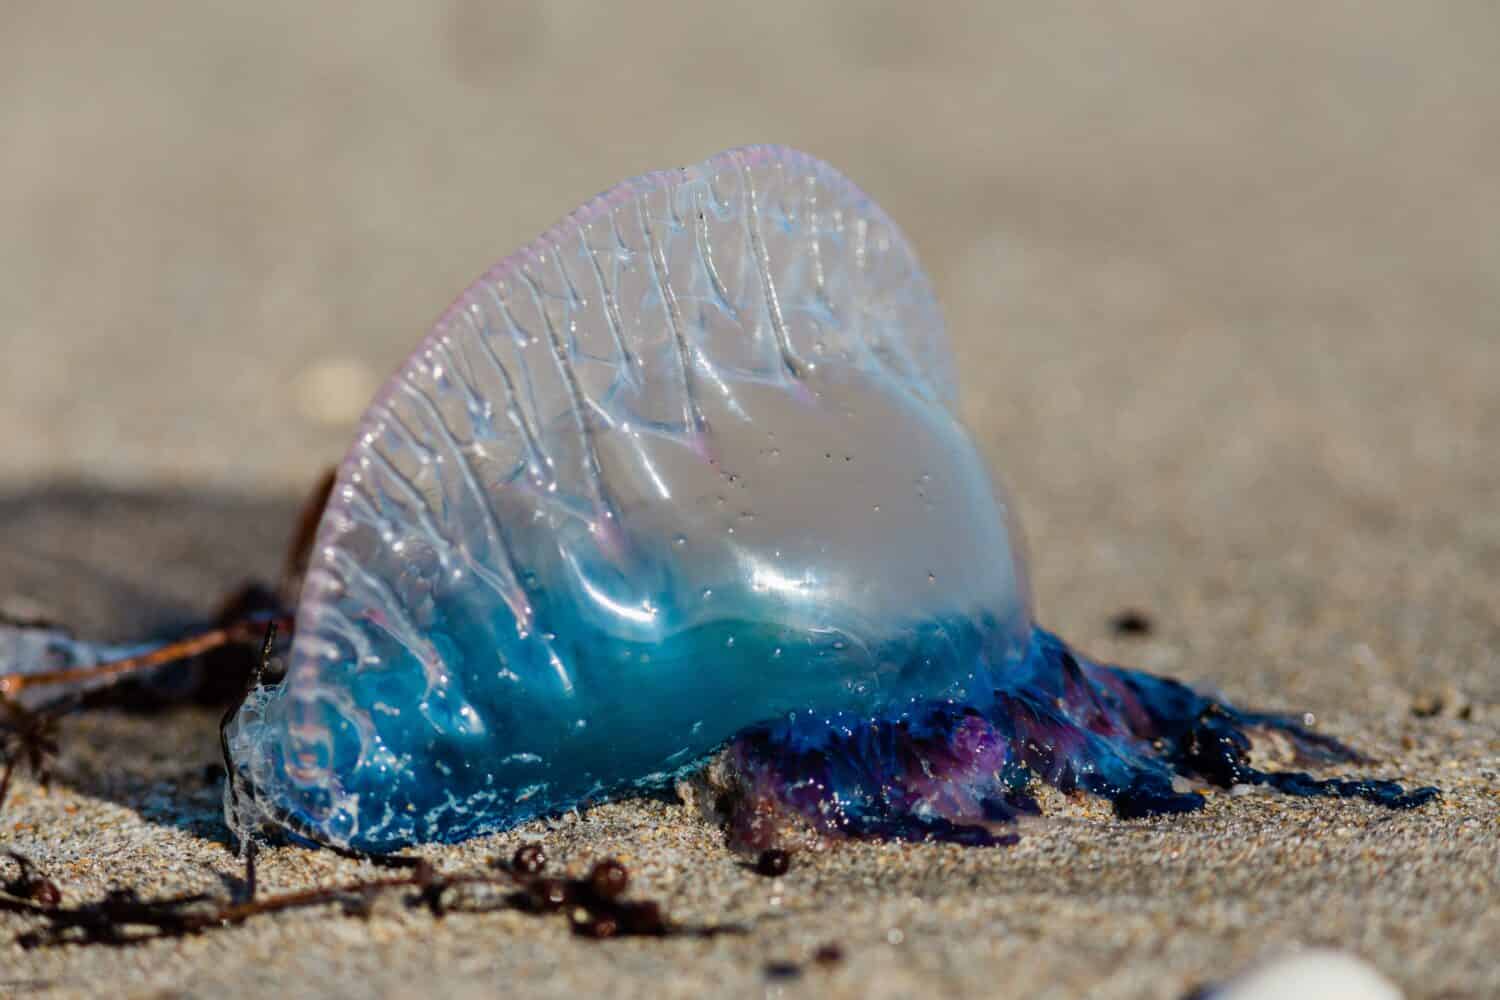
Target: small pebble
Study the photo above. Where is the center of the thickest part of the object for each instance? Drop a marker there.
(529, 859)
(773, 863)
(609, 879)
(783, 970)
(1131, 622)
(1320, 974)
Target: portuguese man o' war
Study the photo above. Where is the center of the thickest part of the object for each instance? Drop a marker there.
(688, 475)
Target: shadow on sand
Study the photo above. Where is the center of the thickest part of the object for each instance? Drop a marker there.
(121, 564)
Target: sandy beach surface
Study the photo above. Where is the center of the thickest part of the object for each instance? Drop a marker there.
(1224, 284)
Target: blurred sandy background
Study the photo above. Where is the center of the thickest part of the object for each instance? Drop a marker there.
(1224, 282)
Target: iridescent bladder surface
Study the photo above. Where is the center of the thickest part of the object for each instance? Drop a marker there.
(688, 472)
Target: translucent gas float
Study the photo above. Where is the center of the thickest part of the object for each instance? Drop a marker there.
(685, 475)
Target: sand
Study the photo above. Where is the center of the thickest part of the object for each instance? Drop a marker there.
(1223, 286)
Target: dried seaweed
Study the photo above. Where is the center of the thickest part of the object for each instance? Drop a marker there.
(594, 905)
(29, 737)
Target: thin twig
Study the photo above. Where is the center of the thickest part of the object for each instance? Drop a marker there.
(11, 685)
